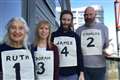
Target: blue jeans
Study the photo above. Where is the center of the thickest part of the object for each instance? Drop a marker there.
(95, 73)
(71, 77)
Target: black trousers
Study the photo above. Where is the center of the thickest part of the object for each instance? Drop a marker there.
(1, 76)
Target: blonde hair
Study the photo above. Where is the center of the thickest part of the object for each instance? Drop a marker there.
(37, 38)
(6, 38)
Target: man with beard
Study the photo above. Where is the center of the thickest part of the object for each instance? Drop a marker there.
(68, 43)
(93, 39)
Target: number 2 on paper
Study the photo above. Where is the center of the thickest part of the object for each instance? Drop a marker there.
(90, 44)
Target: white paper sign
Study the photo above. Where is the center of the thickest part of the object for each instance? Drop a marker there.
(44, 62)
(67, 50)
(17, 65)
(91, 42)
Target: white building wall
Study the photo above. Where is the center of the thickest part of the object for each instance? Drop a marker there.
(78, 14)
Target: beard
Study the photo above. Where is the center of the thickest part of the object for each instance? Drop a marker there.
(66, 27)
(89, 21)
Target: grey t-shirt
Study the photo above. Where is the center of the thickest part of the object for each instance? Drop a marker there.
(93, 40)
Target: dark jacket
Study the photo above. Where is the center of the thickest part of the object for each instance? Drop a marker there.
(56, 58)
(66, 71)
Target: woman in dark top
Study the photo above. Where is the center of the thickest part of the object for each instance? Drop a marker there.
(45, 53)
(15, 58)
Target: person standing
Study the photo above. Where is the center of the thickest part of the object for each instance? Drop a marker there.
(16, 62)
(94, 39)
(45, 53)
(68, 43)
